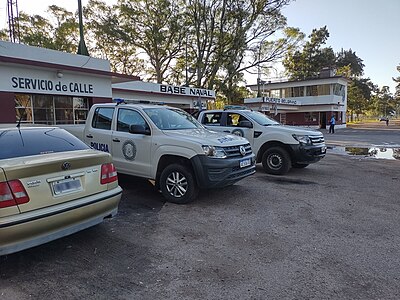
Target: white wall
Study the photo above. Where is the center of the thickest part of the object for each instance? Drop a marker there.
(22, 79)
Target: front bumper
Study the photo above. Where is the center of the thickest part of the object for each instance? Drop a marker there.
(26, 230)
(216, 172)
(308, 154)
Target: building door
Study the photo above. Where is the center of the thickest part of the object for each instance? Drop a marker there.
(322, 120)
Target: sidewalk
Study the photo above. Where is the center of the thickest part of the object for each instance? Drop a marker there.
(393, 124)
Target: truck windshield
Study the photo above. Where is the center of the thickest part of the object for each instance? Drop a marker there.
(261, 118)
(172, 118)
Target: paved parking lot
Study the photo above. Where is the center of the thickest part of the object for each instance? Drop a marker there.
(330, 231)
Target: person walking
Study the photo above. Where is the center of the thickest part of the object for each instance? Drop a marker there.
(332, 123)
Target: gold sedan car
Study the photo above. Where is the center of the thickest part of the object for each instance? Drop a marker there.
(51, 185)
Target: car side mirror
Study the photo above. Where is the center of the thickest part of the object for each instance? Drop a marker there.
(139, 129)
(245, 124)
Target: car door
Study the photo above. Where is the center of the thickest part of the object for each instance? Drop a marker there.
(98, 135)
(131, 152)
(212, 120)
(234, 123)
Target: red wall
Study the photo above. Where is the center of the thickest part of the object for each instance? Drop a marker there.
(96, 100)
(7, 108)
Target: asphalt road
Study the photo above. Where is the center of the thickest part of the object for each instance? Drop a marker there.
(330, 231)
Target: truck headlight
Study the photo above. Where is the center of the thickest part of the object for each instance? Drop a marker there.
(215, 152)
(302, 139)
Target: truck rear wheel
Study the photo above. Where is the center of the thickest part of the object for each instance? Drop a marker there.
(178, 185)
(276, 160)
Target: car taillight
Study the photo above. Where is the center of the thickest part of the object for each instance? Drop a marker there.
(108, 173)
(12, 193)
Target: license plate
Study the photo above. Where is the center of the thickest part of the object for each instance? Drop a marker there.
(67, 186)
(245, 162)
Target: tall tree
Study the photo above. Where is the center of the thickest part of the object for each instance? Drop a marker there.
(312, 58)
(105, 39)
(231, 37)
(157, 27)
(359, 96)
(397, 80)
(349, 58)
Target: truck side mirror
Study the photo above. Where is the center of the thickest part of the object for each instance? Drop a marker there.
(139, 129)
(245, 124)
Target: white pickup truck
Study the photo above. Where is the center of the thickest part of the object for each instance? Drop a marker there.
(276, 146)
(166, 145)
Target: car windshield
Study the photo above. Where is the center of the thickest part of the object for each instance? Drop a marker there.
(261, 118)
(172, 118)
(37, 141)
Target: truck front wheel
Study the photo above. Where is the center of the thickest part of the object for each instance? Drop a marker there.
(177, 184)
(276, 160)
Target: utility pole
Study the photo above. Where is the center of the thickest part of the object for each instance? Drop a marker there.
(82, 50)
(13, 20)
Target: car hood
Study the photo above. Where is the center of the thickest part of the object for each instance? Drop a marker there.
(206, 137)
(296, 130)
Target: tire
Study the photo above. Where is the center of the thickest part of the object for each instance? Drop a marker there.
(299, 166)
(276, 161)
(238, 132)
(178, 185)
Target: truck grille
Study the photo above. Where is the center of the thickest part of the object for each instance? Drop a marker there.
(234, 151)
(317, 140)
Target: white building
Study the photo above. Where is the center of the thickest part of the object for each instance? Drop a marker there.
(187, 98)
(305, 102)
(44, 86)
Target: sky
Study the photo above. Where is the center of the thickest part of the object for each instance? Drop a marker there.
(371, 28)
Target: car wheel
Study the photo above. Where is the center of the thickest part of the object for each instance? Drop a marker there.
(178, 185)
(276, 160)
(299, 166)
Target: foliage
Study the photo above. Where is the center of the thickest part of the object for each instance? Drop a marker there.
(158, 28)
(397, 80)
(308, 62)
(60, 34)
(349, 58)
(105, 39)
(359, 93)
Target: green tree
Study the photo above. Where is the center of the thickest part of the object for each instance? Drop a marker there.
(349, 58)
(156, 27)
(228, 38)
(359, 96)
(397, 80)
(105, 39)
(312, 58)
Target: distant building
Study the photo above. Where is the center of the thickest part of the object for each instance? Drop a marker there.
(309, 102)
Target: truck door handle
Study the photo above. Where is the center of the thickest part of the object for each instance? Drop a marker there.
(116, 140)
(89, 136)
(227, 131)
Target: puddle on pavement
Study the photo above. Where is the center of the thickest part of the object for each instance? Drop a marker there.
(374, 152)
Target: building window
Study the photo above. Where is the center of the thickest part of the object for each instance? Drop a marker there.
(339, 89)
(23, 108)
(310, 116)
(318, 90)
(275, 93)
(312, 90)
(51, 110)
(324, 89)
(297, 91)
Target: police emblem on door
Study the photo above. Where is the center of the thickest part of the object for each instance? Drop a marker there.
(129, 150)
